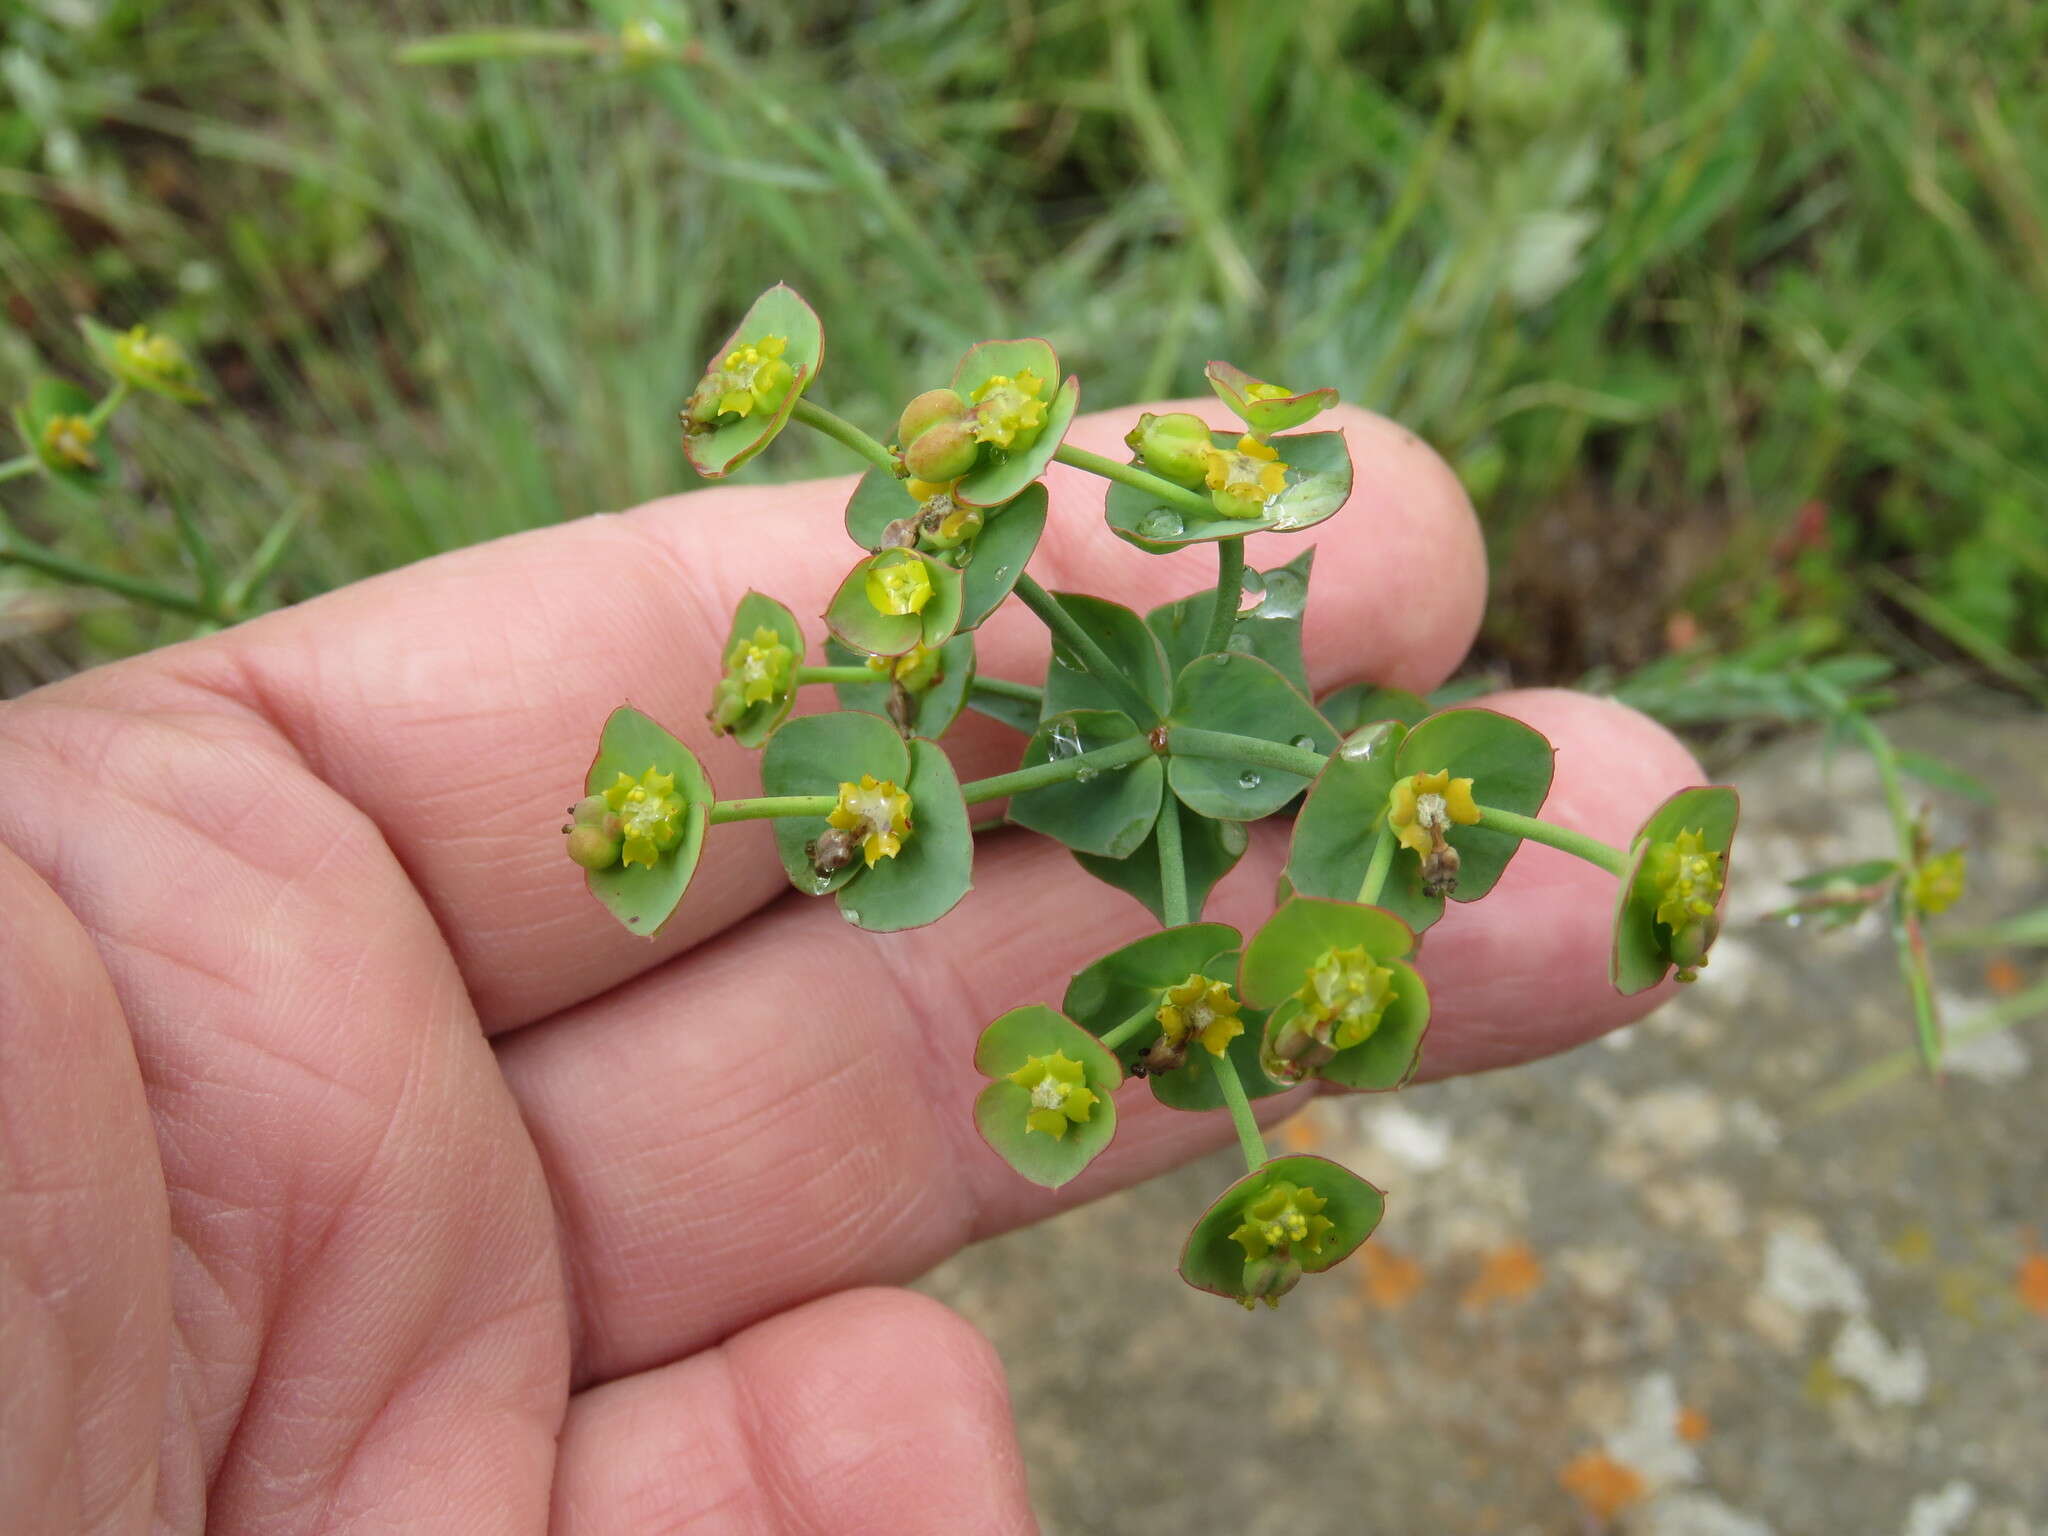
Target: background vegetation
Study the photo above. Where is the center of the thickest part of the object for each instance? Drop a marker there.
(1733, 316)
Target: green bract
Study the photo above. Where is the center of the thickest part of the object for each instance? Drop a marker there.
(641, 896)
(1702, 822)
(1269, 608)
(1127, 643)
(1264, 407)
(1317, 483)
(763, 649)
(937, 682)
(1209, 849)
(1298, 964)
(145, 359)
(1362, 703)
(1246, 697)
(1039, 1059)
(55, 426)
(996, 378)
(895, 600)
(1214, 1257)
(1110, 812)
(720, 430)
(990, 562)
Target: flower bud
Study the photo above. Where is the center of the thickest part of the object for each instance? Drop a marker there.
(927, 411)
(1175, 446)
(1269, 1279)
(1690, 943)
(945, 450)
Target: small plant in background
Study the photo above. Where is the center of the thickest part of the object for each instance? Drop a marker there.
(1153, 741)
(65, 431)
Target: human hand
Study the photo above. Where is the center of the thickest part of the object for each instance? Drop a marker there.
(360, 1172)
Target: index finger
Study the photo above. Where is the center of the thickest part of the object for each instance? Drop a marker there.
(457, 702)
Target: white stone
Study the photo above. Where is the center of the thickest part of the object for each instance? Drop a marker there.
(1697, 1514)
(1893, 1377)
(1804, 1273)
(1421, 1143)
(1993, 1058)
(1649, 1442)
(1942, 1513)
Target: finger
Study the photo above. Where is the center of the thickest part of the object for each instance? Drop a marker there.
(85, 1311)
(457, 701)
(872, 1411)
(787, 1110)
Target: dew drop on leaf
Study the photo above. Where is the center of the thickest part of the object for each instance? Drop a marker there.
(1241, 643)
(1306, 743)
(1285, 593)
(1161, 523)
(1249, 779)
(1254, 592)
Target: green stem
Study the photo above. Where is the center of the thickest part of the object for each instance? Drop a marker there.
(1003, 688)
(1067, 631)
(16, 467)
(1229, 747)
(1173, 869)
(1161, 490)
(1146, 1014)
(1377, 866)
(1241, 1116)
(1578, 844)
(15, 550)
(110, 403)
(1229, 590)
(844, 432)
(858, 674)
(1058, 771)
(767, 806)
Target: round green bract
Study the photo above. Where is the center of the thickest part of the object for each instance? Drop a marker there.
(1212, 1261)
(1510, 765)
(937, 707)
(1641, 955)
(1209, 850)
(49, 398)
(644, 899)
(1247, 697)
(879, 499)
(1005, 544)
(1345, 814)
(855, 620)
(758, 611)
(934, 868)
(1232, 385)
(999, 1111)
(1302, 930)
(1270, 629)
(1127, 643)
(994, 484)
(1318, 483)
(1363, 703)
(1112, 812)
(814, 755)
(781, 311)
(1387, 1058)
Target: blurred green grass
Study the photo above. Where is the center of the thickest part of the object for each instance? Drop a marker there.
(1734, 316)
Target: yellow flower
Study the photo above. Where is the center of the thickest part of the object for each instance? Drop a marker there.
(1242, 479)
(876, 810)
(899, 586)
(1008, 411)
(1687, 879)
(154, 361)
(1344, 997)
(1282, 1218)
(68, 440)
(1938, 884)
(1201, 1009)
(1424, 805)
(1259, 389)
(752, 377)
(1059, 1096)
(917, 669)
(922, 491)
(762, 666)
(650, 814)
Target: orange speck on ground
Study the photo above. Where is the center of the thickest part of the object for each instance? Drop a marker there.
(1506, 1274)
(1390, 1279)
(2002, 977)
(1692, 1426)
(2033, 1283)
(1605, 1486)
(1302, 1133)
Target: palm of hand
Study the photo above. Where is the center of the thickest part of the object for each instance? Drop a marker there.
(358, 1174)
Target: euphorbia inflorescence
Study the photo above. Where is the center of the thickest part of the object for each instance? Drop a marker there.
(1152, 741)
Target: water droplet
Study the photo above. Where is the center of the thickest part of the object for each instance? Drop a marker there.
(1161, 523)
(1066, 658)
(820, 884)
(1249, 779)
(1306, 743)
(1372, 742)
(1240, 643)
(1285, 594)
(1002, 573)
(1083, 775)
(1064, 742)
(1254, 592)
(1222, 657)
(1235, 837)
(1794, 919)
(850, 915)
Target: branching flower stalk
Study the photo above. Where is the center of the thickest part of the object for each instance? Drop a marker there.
(1151, 743)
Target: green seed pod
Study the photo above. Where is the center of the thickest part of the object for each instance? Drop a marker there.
(1689, 945)
(1269, 1279)
(945, 450)
(590, 811)
(1174, 446)
(594, 847)
(927, 411)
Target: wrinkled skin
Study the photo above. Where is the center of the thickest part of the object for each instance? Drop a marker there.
(360, 1173)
